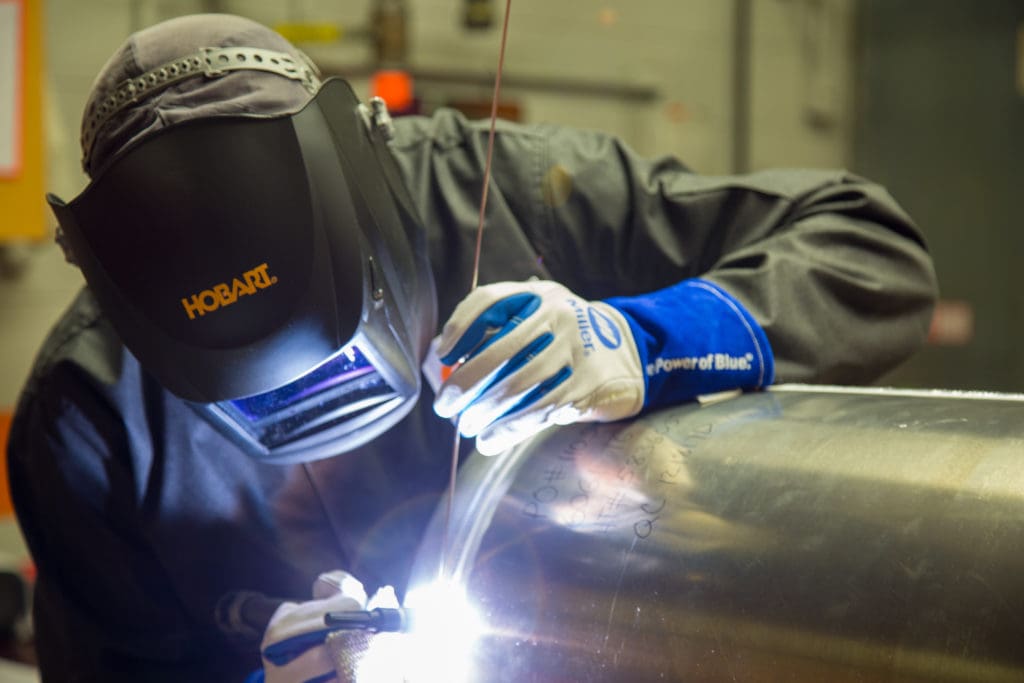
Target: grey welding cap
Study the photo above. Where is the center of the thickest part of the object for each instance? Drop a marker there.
(111, 123)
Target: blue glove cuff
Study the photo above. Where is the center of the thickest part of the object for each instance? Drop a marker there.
(694, 338)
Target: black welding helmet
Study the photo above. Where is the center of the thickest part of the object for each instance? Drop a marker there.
(269, 270)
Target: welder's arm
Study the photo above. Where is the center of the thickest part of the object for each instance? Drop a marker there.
(829, 266)
(524, 356)
(784, 275)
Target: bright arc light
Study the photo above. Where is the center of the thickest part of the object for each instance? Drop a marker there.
(437, 648)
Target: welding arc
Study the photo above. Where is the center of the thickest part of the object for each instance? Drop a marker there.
(443, 566)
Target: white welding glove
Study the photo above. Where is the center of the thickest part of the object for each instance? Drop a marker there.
(527, 355)
(293, 643)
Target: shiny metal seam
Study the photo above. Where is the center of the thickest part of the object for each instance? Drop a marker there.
(888, 391)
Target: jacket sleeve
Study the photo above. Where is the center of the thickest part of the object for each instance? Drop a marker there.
(103, 607)
(827, 264)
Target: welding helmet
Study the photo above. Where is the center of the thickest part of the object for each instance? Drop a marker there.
(271, 271)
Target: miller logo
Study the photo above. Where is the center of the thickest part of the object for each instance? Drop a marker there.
(594, 323)
(225, 294)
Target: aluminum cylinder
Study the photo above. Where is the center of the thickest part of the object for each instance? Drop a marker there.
(796, 534)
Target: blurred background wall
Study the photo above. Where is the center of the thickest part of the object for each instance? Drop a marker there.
(926, 96)
(939, 119)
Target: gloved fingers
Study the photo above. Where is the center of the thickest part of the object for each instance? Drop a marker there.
(527, 377)
(291, 649)
(470, 331)
(347, 650)
(515, 396)
(515, 428)
(384, 597)
(338, 582)
(477, 375)
(297, 627)
(532, 354)
(486, 410)
(561, 405)
(312, 665)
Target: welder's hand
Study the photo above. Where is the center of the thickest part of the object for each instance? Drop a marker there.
(527, 355)
(293, 644)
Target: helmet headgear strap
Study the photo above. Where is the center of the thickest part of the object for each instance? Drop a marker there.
(211, 62)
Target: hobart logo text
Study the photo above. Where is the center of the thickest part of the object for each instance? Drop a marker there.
(227, 293)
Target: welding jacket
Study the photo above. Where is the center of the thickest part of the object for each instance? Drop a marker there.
(141, 517)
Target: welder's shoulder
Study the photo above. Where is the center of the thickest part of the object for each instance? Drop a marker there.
(449, 128)
(82, 344)
(529, 146)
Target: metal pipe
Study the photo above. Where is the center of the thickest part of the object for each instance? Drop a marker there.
(801, 533)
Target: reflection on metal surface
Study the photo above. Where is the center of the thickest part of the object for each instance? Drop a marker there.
(799, 534)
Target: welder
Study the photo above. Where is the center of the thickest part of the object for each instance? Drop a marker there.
(232, 406)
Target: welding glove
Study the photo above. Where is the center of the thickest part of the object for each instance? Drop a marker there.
(526, 355)
(293, 645)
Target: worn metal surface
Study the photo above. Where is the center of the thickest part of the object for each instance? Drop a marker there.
(796, 534)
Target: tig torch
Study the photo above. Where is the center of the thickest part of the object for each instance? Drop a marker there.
(380, 619)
